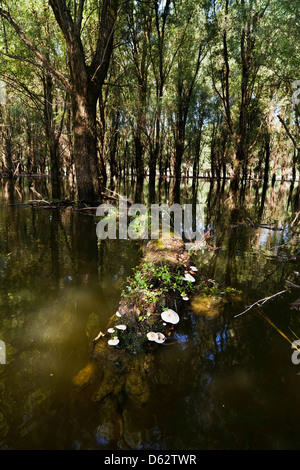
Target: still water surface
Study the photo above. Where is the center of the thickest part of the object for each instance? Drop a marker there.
(224, 382)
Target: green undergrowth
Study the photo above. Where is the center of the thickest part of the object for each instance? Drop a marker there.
(155, 280)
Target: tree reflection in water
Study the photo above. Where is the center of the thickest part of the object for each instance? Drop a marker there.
(224, 382)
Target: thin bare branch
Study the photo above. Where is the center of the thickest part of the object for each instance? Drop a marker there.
(261, 302)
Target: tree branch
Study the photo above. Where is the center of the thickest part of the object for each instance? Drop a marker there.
(98, 67)
(56, 73)
(288, 132)
(79, 14)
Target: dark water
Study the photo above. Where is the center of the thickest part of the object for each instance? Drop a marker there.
(225, 382)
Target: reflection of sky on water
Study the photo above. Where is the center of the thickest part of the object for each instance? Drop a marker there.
(218, 346)
(269, 237)
(182, 339)
(216, 339)
(221, 340)
(273, 237)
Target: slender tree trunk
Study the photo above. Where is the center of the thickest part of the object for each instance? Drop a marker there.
(139, 131)
(139, 150)
(52, 137)
(294, 162)
(267, 159)
(141, 128)
(101, 138)
(179, 151)
(241, 153)
(179, 139)
(113, 145)
(154, 153)
(161, 17)
(8, 166)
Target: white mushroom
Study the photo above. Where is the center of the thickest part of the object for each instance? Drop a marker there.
(152, 336)
(160, 338)
(110, 330)
(185, 298)
(113, 342)
(170, 316)
(193, 268)
(121, 327)
(118, 314)
(189, 277)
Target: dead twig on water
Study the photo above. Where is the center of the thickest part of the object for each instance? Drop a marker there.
(292, 285)
(38, 200)
(261, 302)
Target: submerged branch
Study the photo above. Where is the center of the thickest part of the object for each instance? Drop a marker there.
(278, 330)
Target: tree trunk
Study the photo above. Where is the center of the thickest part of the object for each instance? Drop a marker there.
(267, 159)
(85, 147)
(8, 166)
(101, 138)
(154, 155)
(179, 151)
(52, 137)
(113, 144)
(179, 131)
(139, 150)
(85, 87)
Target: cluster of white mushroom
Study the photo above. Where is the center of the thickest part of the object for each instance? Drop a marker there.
(168, 316)
(188, 277)
(156, 337)
(114, 341)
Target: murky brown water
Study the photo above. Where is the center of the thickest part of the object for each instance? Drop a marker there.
(225, 382)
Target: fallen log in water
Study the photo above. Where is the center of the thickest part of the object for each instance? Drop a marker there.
(146, 318)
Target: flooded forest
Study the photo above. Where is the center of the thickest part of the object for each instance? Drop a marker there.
(149, 225)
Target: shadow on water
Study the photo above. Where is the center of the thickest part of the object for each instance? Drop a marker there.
(223, 382)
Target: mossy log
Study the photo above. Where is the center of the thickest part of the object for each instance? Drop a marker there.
(122, 356)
